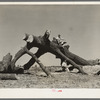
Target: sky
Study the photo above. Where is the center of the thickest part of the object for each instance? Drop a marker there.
(79, 25)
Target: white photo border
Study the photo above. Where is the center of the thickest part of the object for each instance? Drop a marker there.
(47, 93)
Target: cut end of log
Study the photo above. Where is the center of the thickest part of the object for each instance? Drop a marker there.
(7, 76)
(28, 38)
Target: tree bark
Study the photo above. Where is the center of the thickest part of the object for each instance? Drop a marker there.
(20, 53)
(38, 61)
(39, 53)
(78, 60)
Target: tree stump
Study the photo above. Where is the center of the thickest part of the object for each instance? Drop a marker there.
(5, 63)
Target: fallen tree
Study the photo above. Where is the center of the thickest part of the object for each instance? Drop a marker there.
(60, 52)
(44, 45)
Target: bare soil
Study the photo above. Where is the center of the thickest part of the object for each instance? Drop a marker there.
(37, 79)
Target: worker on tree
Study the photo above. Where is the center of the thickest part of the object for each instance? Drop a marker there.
(47, 34)
(60, 40)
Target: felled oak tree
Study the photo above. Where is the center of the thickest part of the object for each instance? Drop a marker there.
(44, 45)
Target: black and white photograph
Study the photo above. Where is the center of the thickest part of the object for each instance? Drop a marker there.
(50, 46)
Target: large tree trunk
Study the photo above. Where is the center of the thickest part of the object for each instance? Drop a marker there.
(34, 58)
(38, 61)
(78, 60)
(47, 46)
(39, 53)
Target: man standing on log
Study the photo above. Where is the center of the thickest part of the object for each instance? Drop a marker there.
(47, 34)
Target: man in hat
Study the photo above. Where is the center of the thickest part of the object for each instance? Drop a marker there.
(60, 40)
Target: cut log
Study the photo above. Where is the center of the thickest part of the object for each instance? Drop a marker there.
(6, 76)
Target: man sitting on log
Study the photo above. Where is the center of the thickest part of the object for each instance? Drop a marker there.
(60, 40)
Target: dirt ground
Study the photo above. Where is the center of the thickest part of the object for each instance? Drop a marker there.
(37, 79)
